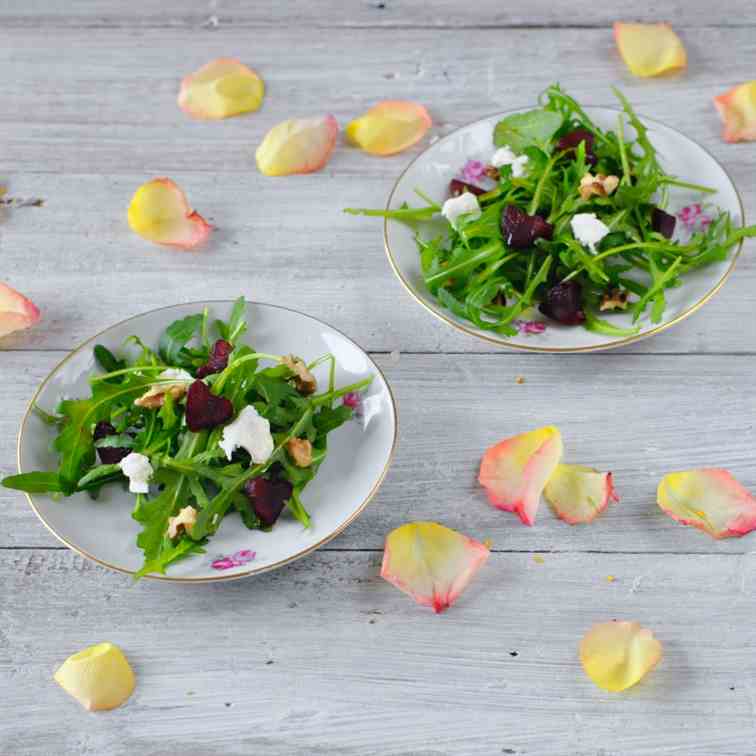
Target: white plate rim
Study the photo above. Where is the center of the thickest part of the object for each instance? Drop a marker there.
(214, 578)
(470, 330)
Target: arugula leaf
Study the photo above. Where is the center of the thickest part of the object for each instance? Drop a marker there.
(173, 553)
(521, 130)
(108, 361)
(172, 345)
(99, 475)
(330, 418)
(35, 482)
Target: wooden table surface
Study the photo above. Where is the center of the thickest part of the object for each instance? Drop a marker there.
(324, 657)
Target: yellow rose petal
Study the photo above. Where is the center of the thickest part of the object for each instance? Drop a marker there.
(649, 49)
(220, 89)
(99, 677)
(160, 212)
(579, 494)
(299, 145)
(389, 127)
(617, 655)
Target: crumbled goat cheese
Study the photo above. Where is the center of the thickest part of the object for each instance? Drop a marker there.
(588, 229)
(504, 156)
(137, 468)
(249, 431)
(465, 204)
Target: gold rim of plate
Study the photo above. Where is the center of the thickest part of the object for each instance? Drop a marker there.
(214, 578)
(502, 342)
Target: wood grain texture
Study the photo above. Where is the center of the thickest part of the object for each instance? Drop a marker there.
(326, 14)
(85, 138)
(324, 657)
(640, 416)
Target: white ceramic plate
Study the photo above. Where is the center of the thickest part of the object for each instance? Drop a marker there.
(359, 452)
(433, 169)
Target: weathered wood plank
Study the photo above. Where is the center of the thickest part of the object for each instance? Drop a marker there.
(213, 14)
(86, 137)
(640, 416)
(323, 657)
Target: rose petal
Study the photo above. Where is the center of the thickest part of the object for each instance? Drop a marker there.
(299, 145)
(737, 109)
(710, 500)
(99, 677)
(389, 127)
(220, 89)
(16, 311)
(514, 471)
(431, 563)
(649, 49)
(617, 655)
(579, 494)
(159, 212)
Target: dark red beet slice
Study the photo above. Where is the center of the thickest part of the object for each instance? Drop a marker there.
(268, 498)
(109, 455)
(663, 222)
(570, 141)
(457, 187)
(563, 303)
(218, 359)
(520, 230)
(204, 409)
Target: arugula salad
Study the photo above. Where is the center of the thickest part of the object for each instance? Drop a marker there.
(197, 428)
(566, 216)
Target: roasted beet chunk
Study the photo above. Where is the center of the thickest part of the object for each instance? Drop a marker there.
(218, 359)
(570, 141)
(520, 230)
(109, 455)
(457, 187)
(563, 303)
(268, 498)
(204, 409)
(663, 223)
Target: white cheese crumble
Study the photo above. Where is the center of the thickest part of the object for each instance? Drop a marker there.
(137, 468)
(249, 431)
(176, 374)
(465, 204)
(505, 156)
(588, 229)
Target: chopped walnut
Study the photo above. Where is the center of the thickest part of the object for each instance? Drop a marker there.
(155, 397)
(601, 185)
(614, 299)
(304, 380)
(492, 172)
(182, 522)
(300, 450)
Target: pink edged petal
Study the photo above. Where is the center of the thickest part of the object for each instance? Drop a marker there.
(431, 563)
(159, 212)
(220, 89)
(649, 49)
(515, 470)
(16, 311)
(737, 109)
(579, 494)
(710, 500)
(299, 145)
(617, 655)
(389, 127)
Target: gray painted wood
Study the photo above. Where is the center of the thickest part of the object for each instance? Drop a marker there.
(88, 92)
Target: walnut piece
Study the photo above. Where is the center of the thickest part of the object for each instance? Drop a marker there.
(183, 521)
(155, 397)
(300, 450)
(600, 185)
(614, 299)
(304, 380)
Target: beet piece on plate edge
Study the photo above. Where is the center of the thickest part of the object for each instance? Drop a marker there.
(268, 498)
(663, 222)
(457, 187)
(564, 304)
(520, 230)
